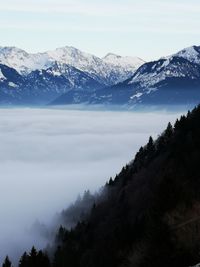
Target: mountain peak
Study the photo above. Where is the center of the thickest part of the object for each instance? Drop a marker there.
(131, 63)
(191, 53)
(12, 50)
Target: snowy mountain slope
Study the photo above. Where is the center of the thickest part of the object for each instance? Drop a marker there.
(128, 63)
(42, 86)
(152, 73)
(10, 85)
(22, 61)
(76, 78)
(171, 80)
(10, 77)
(90, 64)
(191, 53)
(104, 72)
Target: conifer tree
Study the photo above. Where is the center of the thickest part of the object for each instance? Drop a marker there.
(32, 259)
(169, 131)
(150, 145)
(7, 262)
(42, 259)
(23, 262)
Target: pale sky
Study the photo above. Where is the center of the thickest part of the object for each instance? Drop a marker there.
(145, 28)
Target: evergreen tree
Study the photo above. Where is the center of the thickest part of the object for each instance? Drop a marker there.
(110, 181)
(32, 260)
(23, 262)
(7, 262)
(60, 237)
(150, 145)
(150, 150)
(42, 259)
(169, 131)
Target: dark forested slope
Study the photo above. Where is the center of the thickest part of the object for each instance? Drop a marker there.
(150, 215)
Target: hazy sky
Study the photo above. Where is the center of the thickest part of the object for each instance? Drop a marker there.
(146, 28)
(48, 157)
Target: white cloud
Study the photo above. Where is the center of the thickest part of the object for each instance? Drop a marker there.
(48, 156)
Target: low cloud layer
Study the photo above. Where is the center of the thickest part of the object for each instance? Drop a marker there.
(48, 157)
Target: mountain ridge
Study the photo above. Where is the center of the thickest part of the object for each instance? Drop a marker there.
(174, 77)
(25, 62)
(170, 80)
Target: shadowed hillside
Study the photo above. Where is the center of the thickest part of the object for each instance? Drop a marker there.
(151, 213)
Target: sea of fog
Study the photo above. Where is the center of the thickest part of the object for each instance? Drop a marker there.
(49, 156)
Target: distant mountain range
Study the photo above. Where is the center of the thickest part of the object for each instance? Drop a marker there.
(70, 76)
(40, 78)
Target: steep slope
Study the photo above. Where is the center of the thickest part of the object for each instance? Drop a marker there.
(150, 213)
(10, 85)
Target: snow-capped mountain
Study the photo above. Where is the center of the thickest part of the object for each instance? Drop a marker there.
(192, 54)
(42, 86)
(122, 66)
(22, 61)
(175, 73)
(128, 63)
(68, 76)
(101, 70)
(153, 73)
(171, 80)
(77, 79)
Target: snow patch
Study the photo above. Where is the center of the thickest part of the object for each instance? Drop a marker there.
(130, 63)
(138, 95)
(2, 77)
(11, 84)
